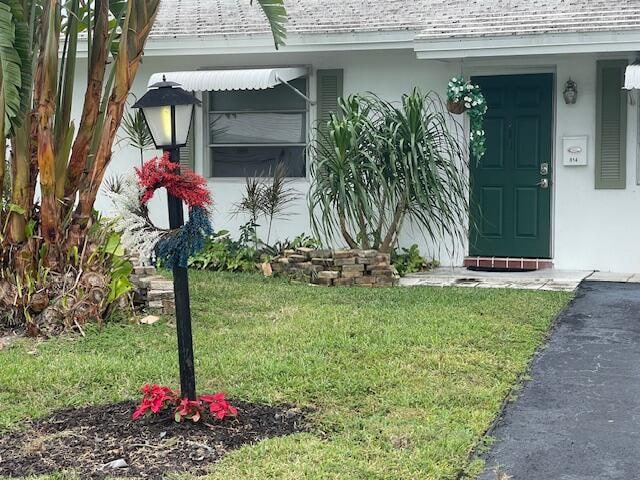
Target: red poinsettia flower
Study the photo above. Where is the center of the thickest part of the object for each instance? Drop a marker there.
(155, 398)
(188, 409)
(219, 406)
(143, 408)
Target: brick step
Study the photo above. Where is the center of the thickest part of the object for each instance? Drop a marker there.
(507, 263)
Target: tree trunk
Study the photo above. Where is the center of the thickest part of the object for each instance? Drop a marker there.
(91, 108)
(20, 181)
(46, 81)
(63, 126)
(377, 234)
(3, 161)
(90, 185)
(392, 233)
(364, 237)
(136, 29)
(345, 231)
(3, 150)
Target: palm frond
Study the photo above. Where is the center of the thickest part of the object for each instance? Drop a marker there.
(276, 14)
(15, 62)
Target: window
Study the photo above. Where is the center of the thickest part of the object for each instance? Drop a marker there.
(252, 131)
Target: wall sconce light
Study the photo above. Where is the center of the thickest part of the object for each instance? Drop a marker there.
(570, 92)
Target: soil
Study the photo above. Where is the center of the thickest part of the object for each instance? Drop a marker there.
(86, 440)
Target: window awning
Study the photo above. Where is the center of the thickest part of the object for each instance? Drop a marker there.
(632, 77)
(220, 80)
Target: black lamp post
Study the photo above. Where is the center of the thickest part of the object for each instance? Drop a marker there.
(168, 110)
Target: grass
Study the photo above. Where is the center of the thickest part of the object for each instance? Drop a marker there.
(404, 381)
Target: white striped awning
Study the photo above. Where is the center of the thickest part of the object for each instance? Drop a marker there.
(632, 77)
(219, 80)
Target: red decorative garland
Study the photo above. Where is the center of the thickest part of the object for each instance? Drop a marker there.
(180, 182)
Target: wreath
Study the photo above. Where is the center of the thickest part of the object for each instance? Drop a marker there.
(174, 247)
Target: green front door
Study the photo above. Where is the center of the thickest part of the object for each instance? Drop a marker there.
(511, 185)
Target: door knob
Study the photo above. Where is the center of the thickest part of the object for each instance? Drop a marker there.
(544, 183)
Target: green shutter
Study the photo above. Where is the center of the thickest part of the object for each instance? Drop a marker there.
(611, 125)
(187, 153)
(330, 89)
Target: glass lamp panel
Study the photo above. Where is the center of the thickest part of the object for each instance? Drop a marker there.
(159, 122)
(183, 123)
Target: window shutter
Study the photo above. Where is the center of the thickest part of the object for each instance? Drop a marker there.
(187, 153)
(330, 89)
(611, 125)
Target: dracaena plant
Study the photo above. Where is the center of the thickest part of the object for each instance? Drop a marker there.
(136, 133)
(378, 166)
(268, 198)
(62, 158)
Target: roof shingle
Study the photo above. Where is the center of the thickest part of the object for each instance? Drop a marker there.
(429, 18)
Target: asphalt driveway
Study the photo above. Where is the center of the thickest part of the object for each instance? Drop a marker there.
(579, 416)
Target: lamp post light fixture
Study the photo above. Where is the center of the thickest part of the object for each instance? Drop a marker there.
(168, 110)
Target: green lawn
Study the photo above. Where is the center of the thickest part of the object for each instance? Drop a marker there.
(404, 381)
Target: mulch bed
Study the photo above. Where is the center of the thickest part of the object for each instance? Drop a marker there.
(86, 439)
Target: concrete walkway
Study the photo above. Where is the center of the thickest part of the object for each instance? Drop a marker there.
(579, 416)
(549, 279)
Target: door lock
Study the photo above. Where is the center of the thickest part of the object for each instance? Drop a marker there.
(544, 169)
(544, 183)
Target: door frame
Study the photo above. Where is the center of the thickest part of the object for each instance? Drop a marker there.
(488, 69)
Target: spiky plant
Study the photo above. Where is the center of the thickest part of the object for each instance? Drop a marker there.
(268, 198)
(136, 132)
(277, 197)
(379, 165)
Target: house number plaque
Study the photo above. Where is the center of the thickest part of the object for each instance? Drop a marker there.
(574, 151)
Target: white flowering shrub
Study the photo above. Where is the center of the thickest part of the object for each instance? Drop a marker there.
(461, 91)
(139, 235)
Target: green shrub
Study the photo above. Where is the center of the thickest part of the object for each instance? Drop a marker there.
(300, 241)
(221, 253)
(409, 260)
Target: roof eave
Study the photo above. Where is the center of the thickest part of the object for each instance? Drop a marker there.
(254, 44)
(538, 44)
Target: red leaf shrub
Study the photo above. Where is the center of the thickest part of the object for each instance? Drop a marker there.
(156, 398)
(189, 410)
(219, 406)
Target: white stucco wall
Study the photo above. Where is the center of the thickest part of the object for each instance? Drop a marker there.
(592, 229)
(400, 72)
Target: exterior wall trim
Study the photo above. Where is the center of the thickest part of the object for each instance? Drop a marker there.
(597, 42)
(425, 47)
(237, 44)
